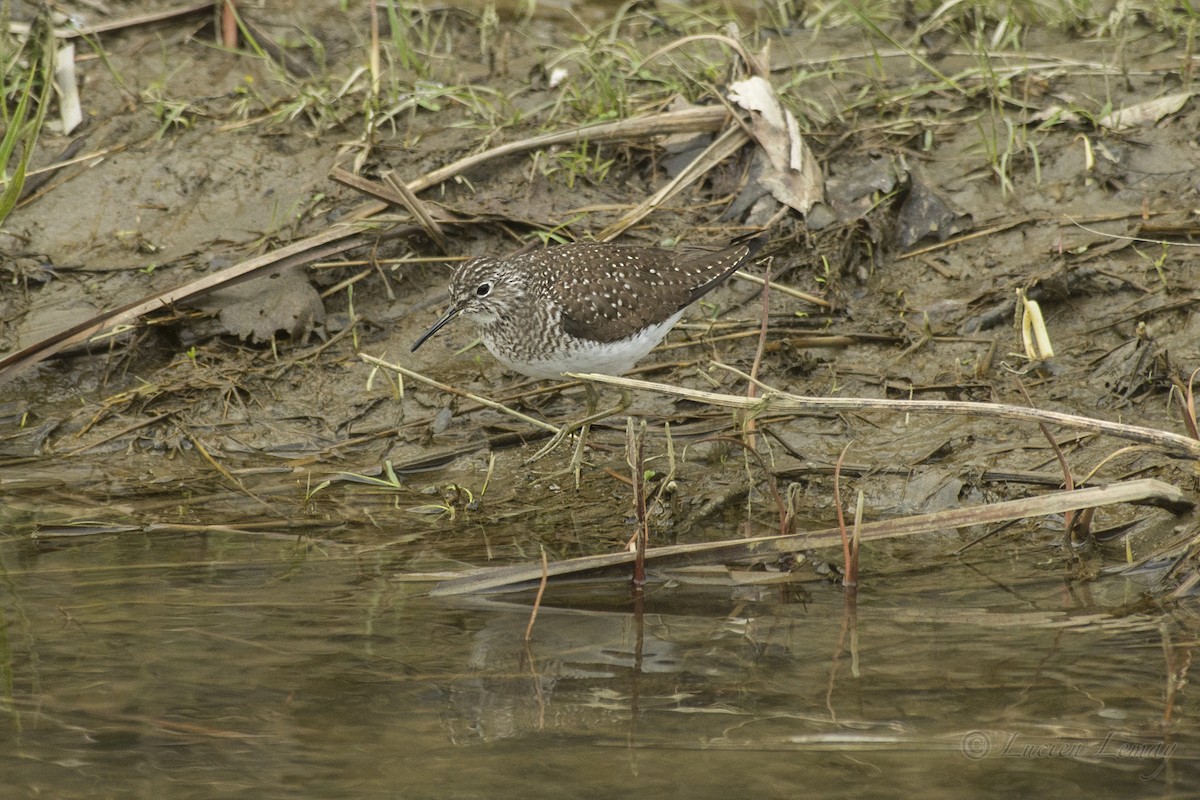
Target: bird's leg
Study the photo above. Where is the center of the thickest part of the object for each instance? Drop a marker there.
(583, 427)
(576, 465)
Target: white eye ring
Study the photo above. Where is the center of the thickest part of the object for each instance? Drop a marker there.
(483, 289)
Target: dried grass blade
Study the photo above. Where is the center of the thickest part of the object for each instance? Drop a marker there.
(725, 145)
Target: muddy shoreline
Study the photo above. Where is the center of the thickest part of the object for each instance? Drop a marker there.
(953, 184)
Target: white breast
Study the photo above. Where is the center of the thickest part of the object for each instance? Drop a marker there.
(582, 355)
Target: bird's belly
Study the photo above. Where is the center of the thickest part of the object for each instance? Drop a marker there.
(570, 354)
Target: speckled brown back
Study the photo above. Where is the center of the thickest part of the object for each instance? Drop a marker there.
(609, 292)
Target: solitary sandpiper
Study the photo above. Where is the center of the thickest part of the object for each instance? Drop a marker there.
(584, 307)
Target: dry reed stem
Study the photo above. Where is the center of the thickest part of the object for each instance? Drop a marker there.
(691, 120)
(335, 239)
(116, 25)
(776, 400)
(418, 209)
(537, 600)
(607, 565)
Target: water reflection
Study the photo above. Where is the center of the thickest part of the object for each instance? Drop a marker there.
(235, 666)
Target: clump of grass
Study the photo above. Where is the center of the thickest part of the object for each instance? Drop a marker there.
(993, 91)
(582, 162)
(416, 36)
(1001, 25)
(31, 71)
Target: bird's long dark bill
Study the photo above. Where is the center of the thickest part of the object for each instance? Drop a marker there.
(437, 326)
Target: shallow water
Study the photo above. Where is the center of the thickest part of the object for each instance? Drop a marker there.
(233, 666)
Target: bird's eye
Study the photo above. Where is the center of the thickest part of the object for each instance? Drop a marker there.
(483, 289)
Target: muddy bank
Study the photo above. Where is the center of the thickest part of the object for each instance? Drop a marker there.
(954, 180)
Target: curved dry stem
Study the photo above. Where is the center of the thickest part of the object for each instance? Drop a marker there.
(443, 387)
(1173, 443)
(750, 62)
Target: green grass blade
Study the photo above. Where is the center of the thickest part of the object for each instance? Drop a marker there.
(29, 130)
